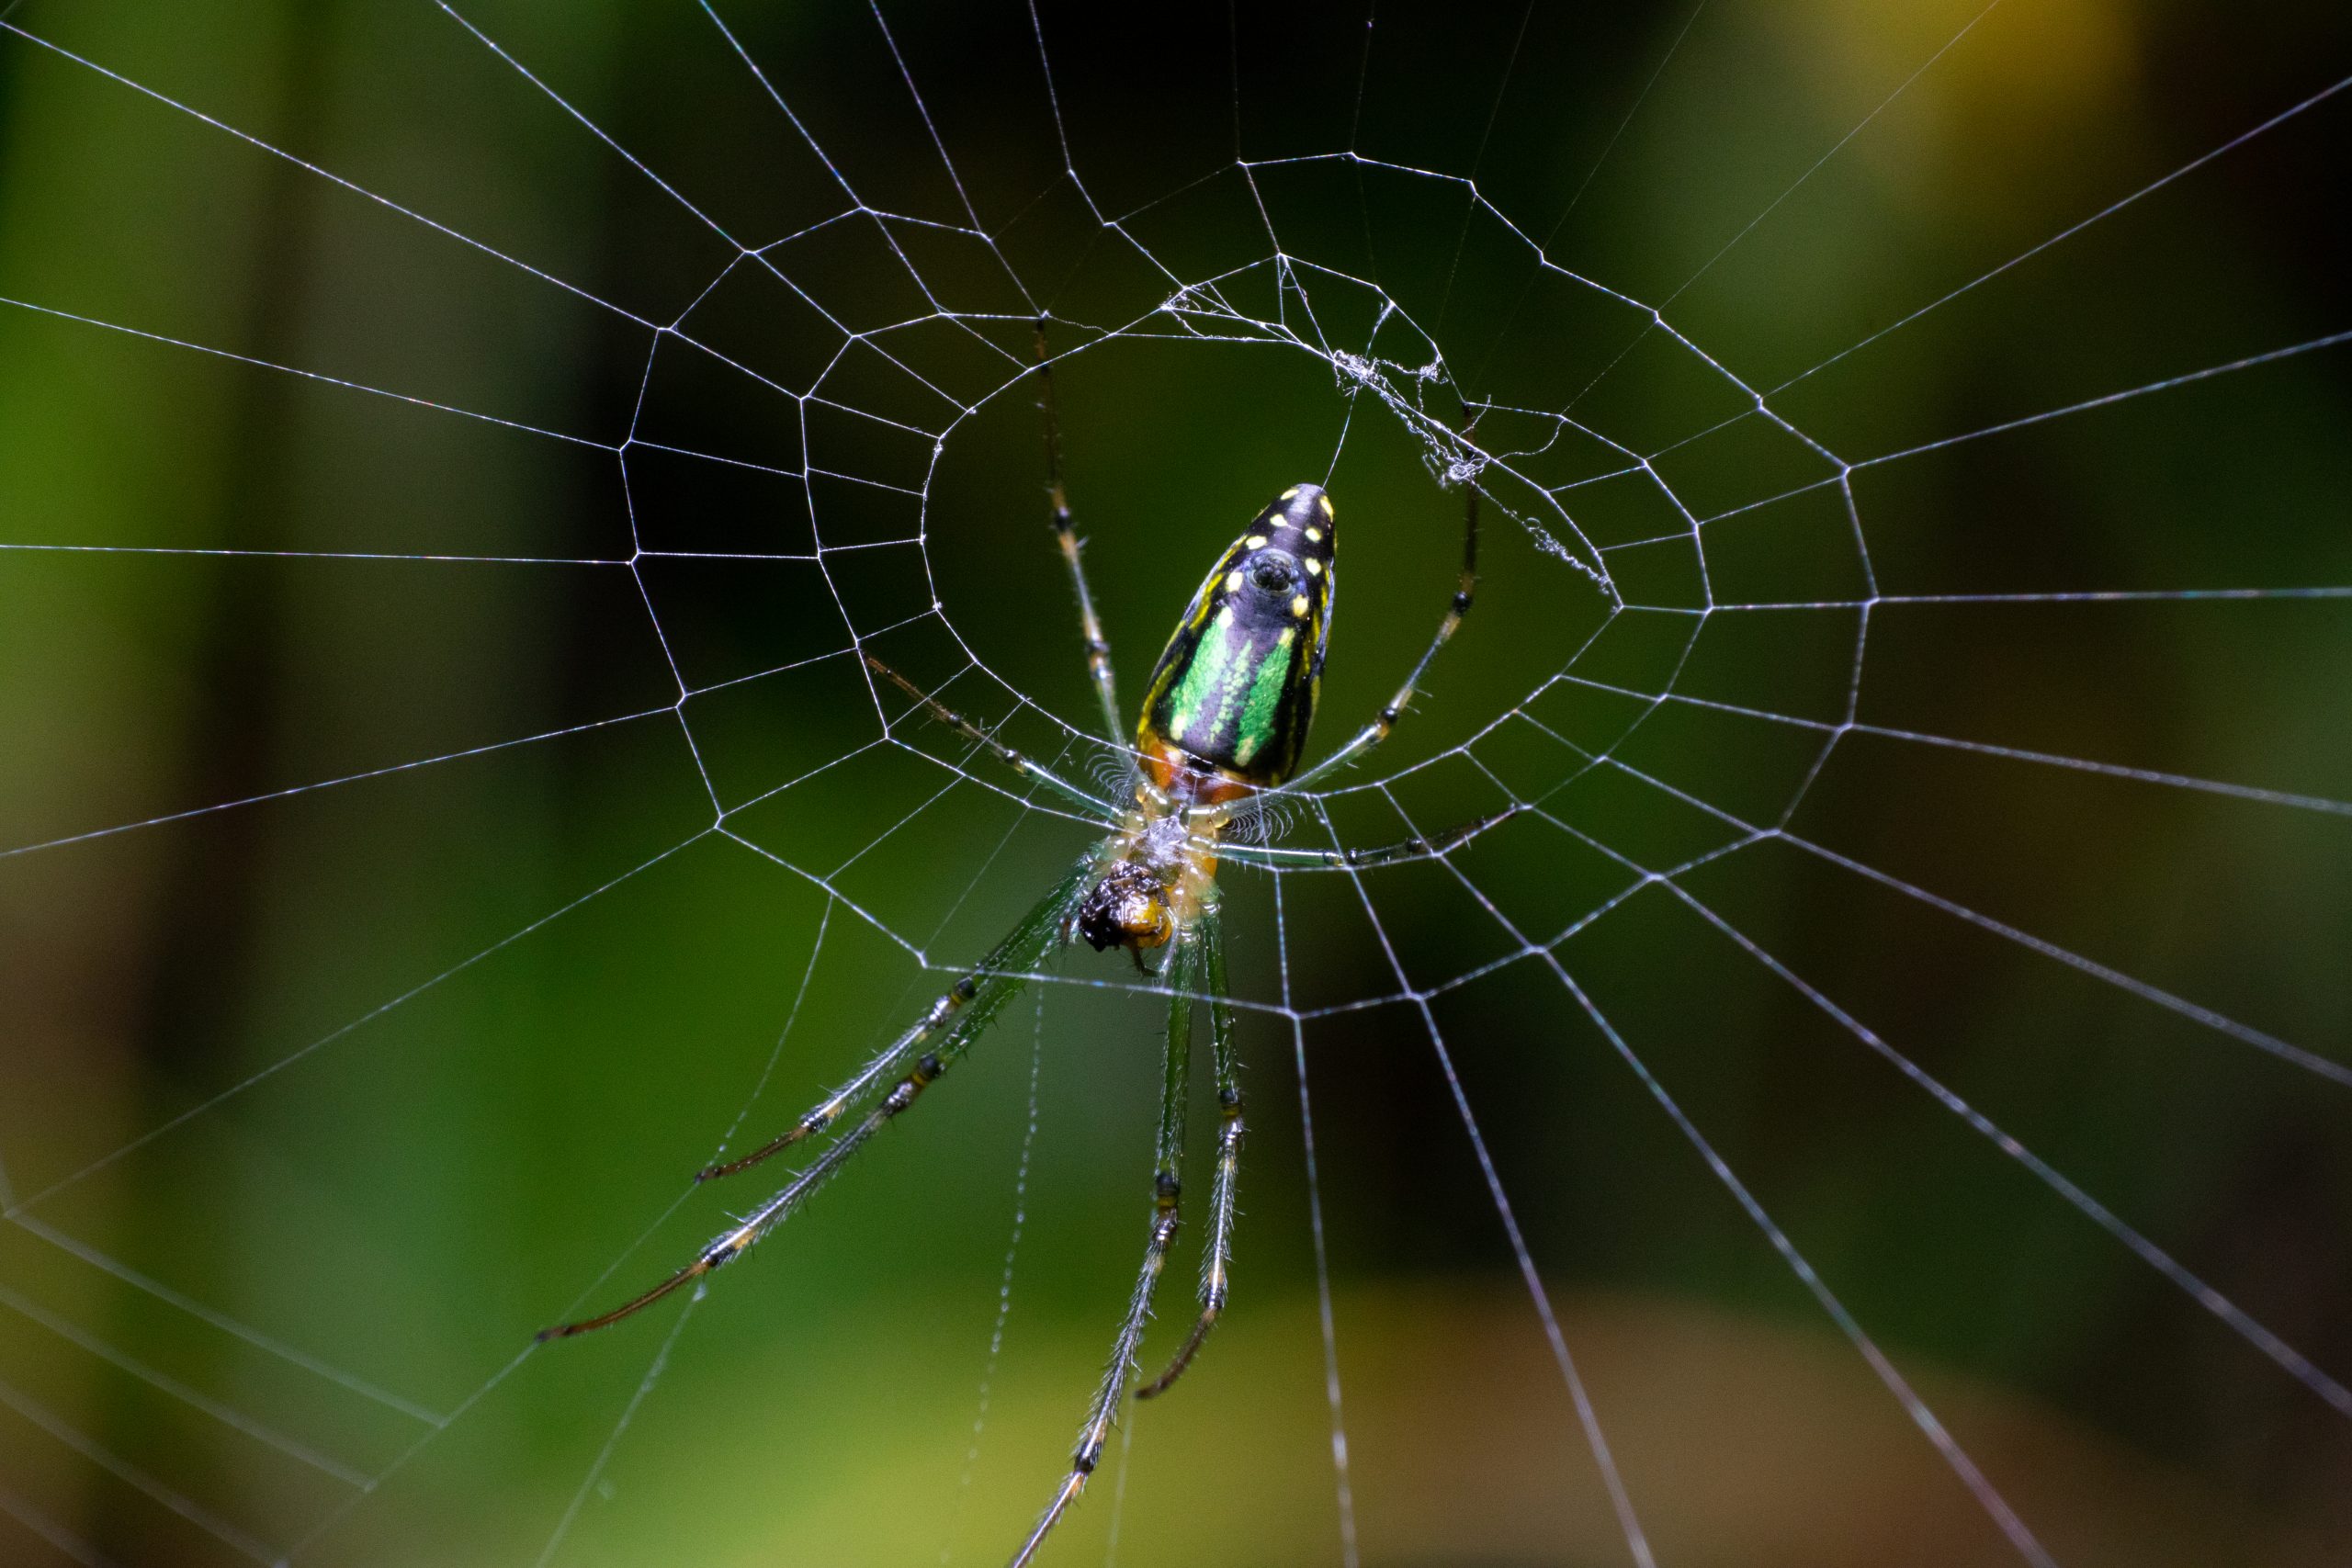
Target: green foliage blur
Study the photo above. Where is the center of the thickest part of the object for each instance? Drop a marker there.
(313, 1109)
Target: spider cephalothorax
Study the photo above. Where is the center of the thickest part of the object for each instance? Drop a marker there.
(1153, 879)
(1127, 906)
(1226, 719)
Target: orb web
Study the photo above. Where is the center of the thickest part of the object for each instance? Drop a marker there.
(572, 455)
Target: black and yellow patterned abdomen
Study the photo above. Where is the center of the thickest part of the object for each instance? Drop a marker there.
(1235, 691)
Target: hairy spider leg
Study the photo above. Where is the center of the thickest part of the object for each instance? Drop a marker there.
(1217, 1252)
(1098, 647)
(1466, 589)
(1427, 847)
(955, 1021)
(962, 1004)
(1187, 971)
(1018, 761)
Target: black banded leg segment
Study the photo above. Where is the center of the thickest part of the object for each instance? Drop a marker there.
(1466, 589)
(889, 1059)
(738, 1240)
(919, 1056)
(1090, 624)
(1187, 974)
(1216, 1253)
(1029, 943)
(1019, 762)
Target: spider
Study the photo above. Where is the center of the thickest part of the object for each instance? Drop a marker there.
(1224, 722)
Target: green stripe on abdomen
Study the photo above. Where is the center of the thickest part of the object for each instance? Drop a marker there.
(1273, 678)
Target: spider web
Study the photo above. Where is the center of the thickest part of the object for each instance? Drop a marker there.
(1877, 1098)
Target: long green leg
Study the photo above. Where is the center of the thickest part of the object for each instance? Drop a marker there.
(1216, 1256)
(1019, 762)
(1187, 973)
(954, 1020)
(1090, 624)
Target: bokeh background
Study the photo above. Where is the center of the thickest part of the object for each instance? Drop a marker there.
(312, 1109)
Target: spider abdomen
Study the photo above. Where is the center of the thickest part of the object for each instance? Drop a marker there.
(1236, 688)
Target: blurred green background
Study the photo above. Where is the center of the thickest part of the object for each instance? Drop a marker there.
(311, 1110)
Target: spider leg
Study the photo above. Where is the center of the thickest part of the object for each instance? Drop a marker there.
(1019, 762)
(954, 1020)
(1427, 847)
(1185, 973)
(1098, 647)
(737, 1240)
(1216, 1256)
(1465, 587)
(967, 1005)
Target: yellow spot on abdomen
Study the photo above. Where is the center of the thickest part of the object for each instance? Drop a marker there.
(1325, 503)
(1298, 605)
(1315, 536)
(1314, 567)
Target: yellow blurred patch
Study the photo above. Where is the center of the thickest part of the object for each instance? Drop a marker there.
(1985, 96)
